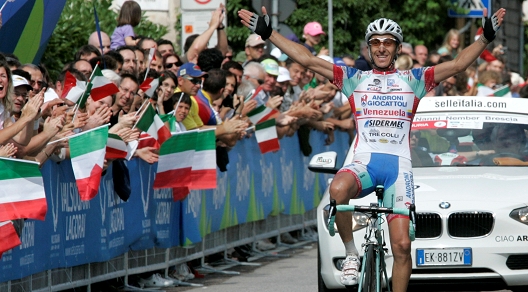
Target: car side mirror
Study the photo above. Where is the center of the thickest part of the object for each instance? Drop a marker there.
(324, 163)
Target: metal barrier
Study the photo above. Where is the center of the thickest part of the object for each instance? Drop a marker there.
(280, 204)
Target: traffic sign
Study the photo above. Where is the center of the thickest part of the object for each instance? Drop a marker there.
(470, 8)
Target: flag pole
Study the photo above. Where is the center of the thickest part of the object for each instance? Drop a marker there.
(141, 107)
(135, 124)
(153, 50)
(84, 93)
(78, 134)
(178, 103)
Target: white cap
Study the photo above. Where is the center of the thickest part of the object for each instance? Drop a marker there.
(20, 81)
(284, 75)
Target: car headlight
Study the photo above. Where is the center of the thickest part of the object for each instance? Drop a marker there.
(520, 215)
(359, 220)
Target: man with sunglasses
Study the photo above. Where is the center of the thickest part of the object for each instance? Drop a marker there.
(189, 82)
(384, 101)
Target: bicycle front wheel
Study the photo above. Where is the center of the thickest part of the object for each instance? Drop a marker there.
(369, 270)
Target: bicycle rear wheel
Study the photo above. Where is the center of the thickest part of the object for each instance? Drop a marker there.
(369, 277)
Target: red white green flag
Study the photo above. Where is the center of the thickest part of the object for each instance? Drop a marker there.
(150, 85)
(503, 91)
(260, 114)
(176, 157)
(101, 86)
(116, 148)
(8, 237)
(266, 134)
(203, 175)
(22, 192)
(152, 124)
(87, 151)
(73, 88)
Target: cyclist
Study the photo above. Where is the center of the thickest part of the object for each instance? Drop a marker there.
(384, 101)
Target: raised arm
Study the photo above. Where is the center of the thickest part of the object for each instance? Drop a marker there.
(200, 43)
(261, 25)
(472, 52)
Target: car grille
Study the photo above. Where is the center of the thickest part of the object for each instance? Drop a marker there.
(470, 224)
(517, 262)
(428, 225)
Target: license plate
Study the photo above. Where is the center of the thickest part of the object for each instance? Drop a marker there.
(443, 257)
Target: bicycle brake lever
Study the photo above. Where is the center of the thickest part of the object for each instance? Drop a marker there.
(331, 218)
(412, 213)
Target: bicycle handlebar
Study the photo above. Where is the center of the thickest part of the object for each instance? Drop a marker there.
(351, 208)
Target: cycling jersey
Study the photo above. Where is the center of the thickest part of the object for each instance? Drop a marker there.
(383, 105)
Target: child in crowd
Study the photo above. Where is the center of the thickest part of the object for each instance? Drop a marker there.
(129, 17)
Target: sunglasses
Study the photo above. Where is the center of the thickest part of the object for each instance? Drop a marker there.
(193, 80)
(229, 57)
(387, 42)
(169, 65)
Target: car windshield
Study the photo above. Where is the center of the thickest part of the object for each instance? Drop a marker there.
(469, 139)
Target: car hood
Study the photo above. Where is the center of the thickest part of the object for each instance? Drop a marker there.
(466, 187)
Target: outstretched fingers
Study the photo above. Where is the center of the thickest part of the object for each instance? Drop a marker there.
(500, 15)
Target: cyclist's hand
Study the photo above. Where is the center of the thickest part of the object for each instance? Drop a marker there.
(260, 25)
(491, 26)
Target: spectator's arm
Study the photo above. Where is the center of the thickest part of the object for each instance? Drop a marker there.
(200, 43)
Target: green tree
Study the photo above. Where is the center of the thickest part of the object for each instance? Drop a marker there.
(422, 21)
(77, 23)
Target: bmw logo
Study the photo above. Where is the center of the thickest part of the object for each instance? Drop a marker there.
(445, 205)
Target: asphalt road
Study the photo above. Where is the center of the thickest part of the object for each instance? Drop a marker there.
(296, 272)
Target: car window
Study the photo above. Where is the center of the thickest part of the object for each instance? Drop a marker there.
(472, 139)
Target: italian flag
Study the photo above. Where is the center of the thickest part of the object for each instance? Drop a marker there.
(87, 151)
(203, 174)
(260, 114)
(149, 86)
(175, 163)
(101, 86)
(8, 237)
(116, 148)
(151, 123)
(266, 134)
(503, 91)
(73, 88)
(22, 192)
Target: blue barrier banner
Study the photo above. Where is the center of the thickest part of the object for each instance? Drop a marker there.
(76, 232)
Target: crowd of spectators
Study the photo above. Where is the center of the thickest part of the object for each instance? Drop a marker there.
(232, 85)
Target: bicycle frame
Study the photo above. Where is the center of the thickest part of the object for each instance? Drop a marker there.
(374, 237)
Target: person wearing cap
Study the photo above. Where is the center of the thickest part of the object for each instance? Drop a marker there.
(52, 126)
(20, 94)
(272, 72)
(189, 82)
(375, 160)
(312, 35)
(255, 47)
(283, 79)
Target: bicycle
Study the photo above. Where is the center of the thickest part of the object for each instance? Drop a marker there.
(373, 266)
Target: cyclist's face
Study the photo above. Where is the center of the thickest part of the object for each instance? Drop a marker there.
(383, 48)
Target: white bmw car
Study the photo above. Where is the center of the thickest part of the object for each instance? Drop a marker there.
(470, 164)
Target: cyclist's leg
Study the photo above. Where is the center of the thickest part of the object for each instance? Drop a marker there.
(347, 185)
(401, 250)
(351, 182)
(400, 195)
